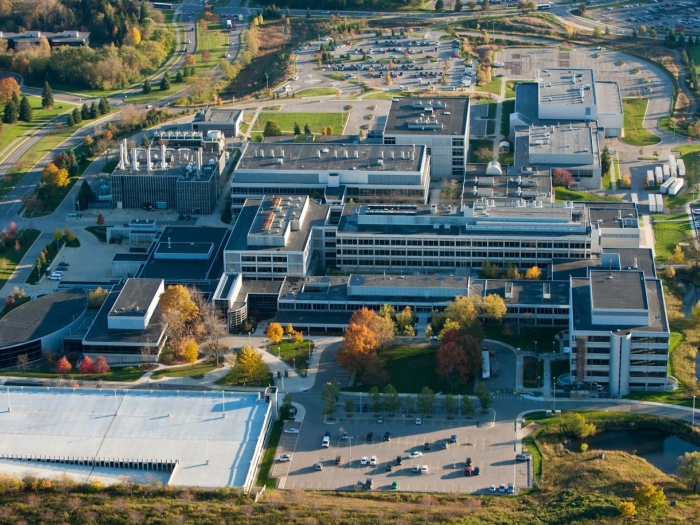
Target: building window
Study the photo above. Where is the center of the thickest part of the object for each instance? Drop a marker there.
(457, 142)
(389, 141)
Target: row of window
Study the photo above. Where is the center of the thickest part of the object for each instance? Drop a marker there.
(264, 258)
(264, 269)
(355, 241)
(461, 253)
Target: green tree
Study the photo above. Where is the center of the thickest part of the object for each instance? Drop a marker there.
(272, 129)
(330, 397)
(11, 113)
(349, 404)
(484, 396)
(85, 195)
(390, 399)
(597, 33)
(307, 129)
(605, 161)
(46, 97)
(485, 5)
(73, 165)
(297, 129)
(426, 401)
(410, 403)
(145, 143)
(467, 406)
(70, 122)
(179, 77)
(165, 82)
(146, 86)
(449, 404)
(458, 6)
(689, 469)
(650, 497)
(77, 117)
(103, 106)
(287, 401)
(582, 9)
(376, 398)
(580, 428)
(25, 110)
(439, 6)
(308, 12)
(84, 112)
(94, 110)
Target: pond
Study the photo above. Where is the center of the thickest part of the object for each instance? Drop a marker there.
(656, 447)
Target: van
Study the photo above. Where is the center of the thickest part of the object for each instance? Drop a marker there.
(523, 457)
(74, 215)
(326, 443)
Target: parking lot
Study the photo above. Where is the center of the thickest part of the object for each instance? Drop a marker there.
(680, 16)
(488, 448)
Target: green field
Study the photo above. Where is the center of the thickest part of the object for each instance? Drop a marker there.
(11, 131)
(156, 93)
(384, 95)
(316, 92)
(214, 40)
(491, 87)
(122, 374)
(562, 194)
(316, 121)
(477, 144)
(511, 85)
(295, 354)
(198, 369)
(635, 134)
(11, 258)
(669, 230)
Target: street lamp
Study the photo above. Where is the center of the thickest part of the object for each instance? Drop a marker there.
(554, 391)
(535, 346)
(693, 410)
(554, 351)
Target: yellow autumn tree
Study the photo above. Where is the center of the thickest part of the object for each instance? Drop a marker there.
(51, 175)
(274, 332)
(189, 350)
(132, 37)
(533, 273)
(178, 298)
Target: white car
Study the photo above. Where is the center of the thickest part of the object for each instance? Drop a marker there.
(373, 461)
(291, 431)
(424, 469)
(414, 455)
(492, 489)
(502, 488)
(363, 461)
(294, 78)
(284, 458)
(54, 277)
(419, 421)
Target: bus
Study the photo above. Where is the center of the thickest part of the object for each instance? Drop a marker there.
(544, 6)
(160, 5)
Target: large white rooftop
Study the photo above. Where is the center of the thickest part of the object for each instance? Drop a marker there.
(185, 426)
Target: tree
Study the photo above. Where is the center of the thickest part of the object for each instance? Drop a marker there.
(376, 398)
(410, 403)
(11, 113)
(22, 359)
(677, 257)
(651, 497)
(439, 6)
(84, 112)
(70, 122)
(426, 401)
(562, 177)
(307, 129)
(297, 129)
(86, 367)
(101, 366)
(96, 298)
(94, 110)
(190, 60)
(627, 509)
(8, 89)
(485, 5)
(330, 395)
(100, 219)
(580, 428)
(274, 332)
(652, 33)
(484, 155)
(146, 86)
(484, 396)
(404, 319)
(165, 82)
(533, 273)
(458, 6)
(189, 350)
(349, 404)
(689, 469)
(25, 110)
(494, 307)
(289, 330)
(179, 78)
(178, 298)
(467, 405)
(47, 96)
(77, 117)
(68, 234)
(298, 336)
(581, 9)
(449, 404)
(605, 161)
(272, 129)
(308, 12)
(390, 399)
(63, 366)
(250, 362)
(387, 78)
(597, 33)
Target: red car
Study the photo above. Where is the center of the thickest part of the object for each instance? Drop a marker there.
(428, 56)
(454, 55)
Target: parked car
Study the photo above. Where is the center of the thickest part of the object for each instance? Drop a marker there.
(502, 488)
(373, 461)
(387, 436)
(511, 488)
(284, 458)
(338, 460)
(54, 277)
(318, 466)
(380, 419)
(469, 462)
(492, 489)
(344, 436)
(415, 454)
(398, 460)
(443, 445)
(453, 438)
(415, 469)
(370, 437)
(419, 421)
(427, 446)
(424, 469)
(364, 460)
(523, 457)
(291, 431)
(389, 467)
(477, 471)
(395, 485)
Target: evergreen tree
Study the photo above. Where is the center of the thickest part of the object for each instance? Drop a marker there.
(179, 78)
(77, 117)
(25, 110)
(308, 12)
(297, 129)
(165, 82)
(103, 106)
(145, 142)
(11, 113)
(47, 96)
(144, 13)
(84, 112)
(146, 86)
(73, 165)
(71, 120)
(439, 5)
(458, 6)
(307, 129)
(85, 195)
(94, 112)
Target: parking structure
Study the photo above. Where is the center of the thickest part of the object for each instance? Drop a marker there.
(487, 447)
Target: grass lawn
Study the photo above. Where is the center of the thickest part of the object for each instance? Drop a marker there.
(237, 377)
(156, 93)
(511, 85)
(123, 374)
(562, 194)
(410, 368)
(199, 369)
(491, 87)
(98, 231)
(635, 134)
(214, 40)
(316, 121)
(669, 230)
(269, 455)
(10, 259)
(477, 144)
(677, 201)
(385, 95)
(316, 92)
(691, 158)
(295, 354)
(506, 110)
(11, 131)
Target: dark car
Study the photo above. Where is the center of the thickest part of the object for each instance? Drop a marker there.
(477, 471)
(365, 407)
(398, 460)
(453, 439)
(389, 467)
(338, 460)
(327, 433)
(370, 437)
(427, 446)
(469, 462)
(387, 436)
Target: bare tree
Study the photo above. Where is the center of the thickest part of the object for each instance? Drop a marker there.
(147, 351)
(22, 361)
(214, 329)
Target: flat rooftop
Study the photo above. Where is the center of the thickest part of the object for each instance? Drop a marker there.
(136, 296)
(460, 285)
(427, 116)
(566, 86)
(478, 186)
(618, 290)
(218, 116)
(186, 426)
(42, 316)
(613, 217)
(328, 157)
(522, 291)
(180, 163)
(608, 97)
(567, 139)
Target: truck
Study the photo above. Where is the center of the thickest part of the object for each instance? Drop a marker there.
(240, 18)
(656, 203)
(680, 166)
(666, 185)
(659, 175)
(229, 24)
(676, 187)
(672, 164)
(659, 203)
(667, 171)
(650, 178)
(485, 365)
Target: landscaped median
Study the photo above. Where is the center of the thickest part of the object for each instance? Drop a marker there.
(126, 374)
(196, 371)
(635, 134)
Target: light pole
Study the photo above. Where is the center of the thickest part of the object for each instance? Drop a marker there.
(693, 410)
(350, 442)
(554, 343)
(535, 346)
(554, 391)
